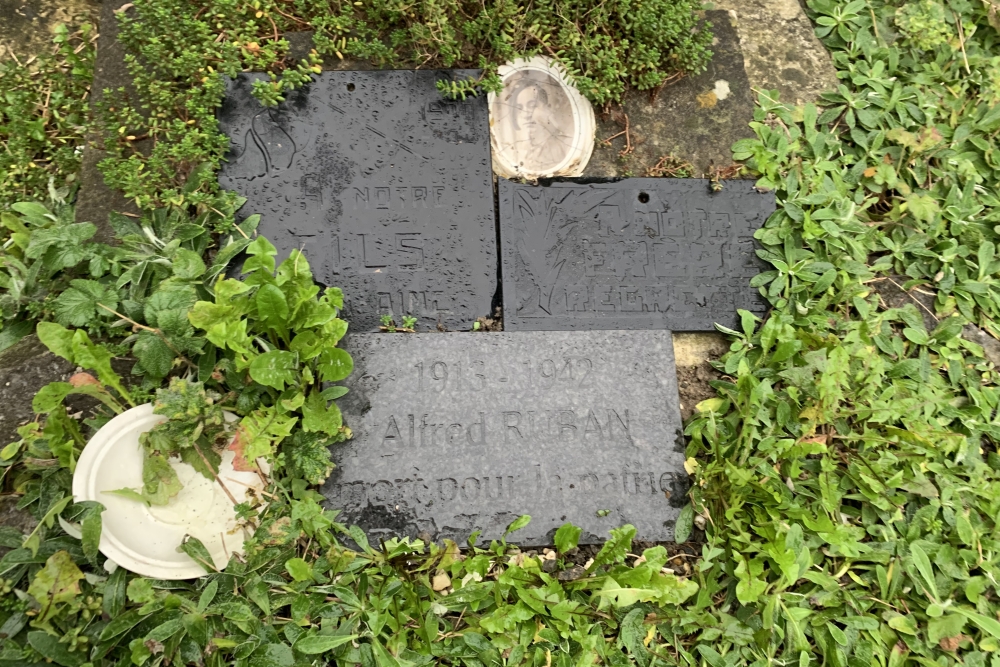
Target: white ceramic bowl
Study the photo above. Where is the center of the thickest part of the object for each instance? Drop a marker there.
(540, 125)
(145, 539)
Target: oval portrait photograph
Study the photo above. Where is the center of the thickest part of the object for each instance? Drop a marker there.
(539, 123)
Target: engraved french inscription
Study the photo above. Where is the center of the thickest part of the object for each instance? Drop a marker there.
(631, 254)
(461, 432)
(385, 186)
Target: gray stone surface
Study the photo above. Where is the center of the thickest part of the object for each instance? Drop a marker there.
(24, 369)
(95, 200)
(460, 432)
(696, 119)
(642, 253)
(781, 50)
(384, 184)
(26, 26)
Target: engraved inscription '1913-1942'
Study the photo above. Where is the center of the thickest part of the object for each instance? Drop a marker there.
(477, 375)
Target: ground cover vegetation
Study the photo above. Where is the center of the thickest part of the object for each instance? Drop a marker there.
(845, 478)
(44, 115)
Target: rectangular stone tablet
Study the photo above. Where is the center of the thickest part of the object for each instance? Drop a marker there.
(460, 432)
(384, 184)
(638, 253)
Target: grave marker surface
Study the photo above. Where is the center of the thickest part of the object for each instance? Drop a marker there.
(640, 253)
(385, 185)
(460, 432)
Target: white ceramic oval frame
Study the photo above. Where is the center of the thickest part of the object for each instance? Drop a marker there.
(145, 539)
(506, 161)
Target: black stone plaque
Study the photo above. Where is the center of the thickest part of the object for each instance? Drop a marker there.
(384, 185)
(639, 253)
(460, 432)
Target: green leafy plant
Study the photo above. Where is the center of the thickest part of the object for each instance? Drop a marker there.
(924, 23)
(44, 115)
(847, 474)
(196, 430)
(42, 250)
(603, 46)
(162, 275)
(276, 329)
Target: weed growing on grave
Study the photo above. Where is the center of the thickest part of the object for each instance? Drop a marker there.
(50, 270)
(847, 475)
(44, 116)
(179, 48)
(388, 324)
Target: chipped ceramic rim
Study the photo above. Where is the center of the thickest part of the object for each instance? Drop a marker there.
(144, 539)
(509, 161)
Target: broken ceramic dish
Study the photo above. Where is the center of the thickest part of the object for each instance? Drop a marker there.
(145, 539)
(540, 125)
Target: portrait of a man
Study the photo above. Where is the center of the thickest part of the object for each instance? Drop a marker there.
(533, 121)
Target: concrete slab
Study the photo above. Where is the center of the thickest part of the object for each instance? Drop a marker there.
(696, 118)
(26, 26)
(780, 49)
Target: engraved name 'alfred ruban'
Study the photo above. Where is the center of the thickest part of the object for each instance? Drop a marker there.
(511, 425)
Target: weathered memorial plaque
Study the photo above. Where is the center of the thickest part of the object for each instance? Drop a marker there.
(460, 432)
(656, 253)
(385, 185)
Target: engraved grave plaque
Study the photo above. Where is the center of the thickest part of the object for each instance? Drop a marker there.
(460, 432)
(384, 185)
(639, 253)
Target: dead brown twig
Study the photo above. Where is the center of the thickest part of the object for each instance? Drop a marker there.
(672, 79)
(628, 136)
(961, 41)
(724, 173)
(154, 330)
(214, 474)
(273, 25)
(293, 18)
(669, 166)
(914, 299)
